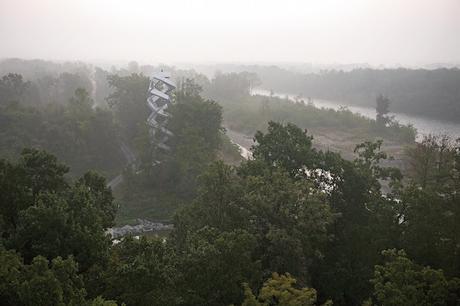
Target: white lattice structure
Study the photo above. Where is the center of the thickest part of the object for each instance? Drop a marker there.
(158, 101)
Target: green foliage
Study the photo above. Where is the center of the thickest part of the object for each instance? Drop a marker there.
(196, 126)
(21, 184)
(432, 161)
(85, 138)
(230, 153)
(128, 100)
(207, 270)
(40, 283)
(267, 203)
(287, 147)
(103, 199)
(65, 85)
(10, 272)
(292, 210)
(138, 200)
(44, 215)
(80, 105)
(339, 204)
(46, 82)
(401, 282)
(366, 223)
(288, 190)
(249, 114)
(142, 272)
(13, 88)
(232, 85)
(280, 290)
(99, 301)
(262, 202)
(214, 264)
(431, 231)
(430, 208)
(160, 188)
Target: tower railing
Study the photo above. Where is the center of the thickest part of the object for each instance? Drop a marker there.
(158, 101)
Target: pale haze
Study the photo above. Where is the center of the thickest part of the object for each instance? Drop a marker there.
(390, 32)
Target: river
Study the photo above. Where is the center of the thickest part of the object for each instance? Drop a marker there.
(423, 125)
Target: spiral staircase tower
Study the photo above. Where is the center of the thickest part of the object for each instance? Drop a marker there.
(158, 101)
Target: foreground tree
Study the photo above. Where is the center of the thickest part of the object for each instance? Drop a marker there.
(276, 209)
(402, 282)
(432, 161)
(286, 217)
(286, 147)
(367, 222)
(430, 211)
(142, 272)
(280, 290)
(42, 214)
(41, 282)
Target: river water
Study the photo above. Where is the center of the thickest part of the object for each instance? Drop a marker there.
(423, 125)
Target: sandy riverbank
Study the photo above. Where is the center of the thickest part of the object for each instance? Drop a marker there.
(342, 142)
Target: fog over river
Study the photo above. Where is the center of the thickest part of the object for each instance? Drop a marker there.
(423, 125)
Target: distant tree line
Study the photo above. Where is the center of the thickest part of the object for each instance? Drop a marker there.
(430, 93)
(83, 136)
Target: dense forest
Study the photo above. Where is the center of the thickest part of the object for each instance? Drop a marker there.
(75, 131)
(293, 225)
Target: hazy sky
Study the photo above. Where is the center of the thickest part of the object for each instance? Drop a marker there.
(408, 32)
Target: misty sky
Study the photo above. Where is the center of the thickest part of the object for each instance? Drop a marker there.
(407, 32)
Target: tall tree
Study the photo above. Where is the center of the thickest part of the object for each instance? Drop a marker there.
(129, 102)
(399, 281)
(281, 290)
(382, 108)
(13, 88)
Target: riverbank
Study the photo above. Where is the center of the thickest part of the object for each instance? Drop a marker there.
(342, 142)
(423, 125)
(333, 130)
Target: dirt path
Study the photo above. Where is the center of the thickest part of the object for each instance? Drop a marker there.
(130, 160)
